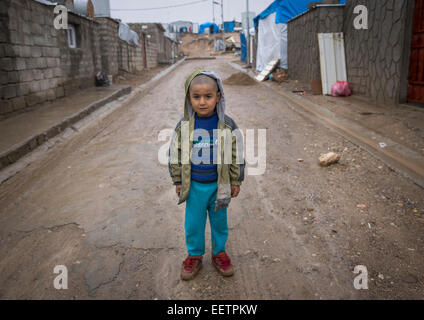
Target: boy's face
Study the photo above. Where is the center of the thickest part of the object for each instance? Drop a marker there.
(203, 98)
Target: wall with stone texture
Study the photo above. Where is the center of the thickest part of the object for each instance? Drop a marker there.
(377, 59)
(303, 49)
(35, 61)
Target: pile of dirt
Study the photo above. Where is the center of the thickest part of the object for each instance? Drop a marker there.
(239, 79)
(198, 46)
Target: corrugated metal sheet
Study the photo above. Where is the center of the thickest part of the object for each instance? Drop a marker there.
(101, 8)
(332, 59)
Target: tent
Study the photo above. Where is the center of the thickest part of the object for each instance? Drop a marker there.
(208, 25)
(243, 47)
(272, 32)
(229, 26)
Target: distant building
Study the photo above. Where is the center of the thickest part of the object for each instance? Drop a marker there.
(181, 26)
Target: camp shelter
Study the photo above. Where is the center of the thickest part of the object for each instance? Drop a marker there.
(229, 26)
(272, 30)
(209, 25)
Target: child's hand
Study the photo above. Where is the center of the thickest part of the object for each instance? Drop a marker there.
(235, 191)
(178, 189)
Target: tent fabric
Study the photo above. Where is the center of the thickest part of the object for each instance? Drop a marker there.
(243, 47)
(229, 26)
(208, 25)
(128, 35)
(272, 42)
(272, 33)
(286, 10)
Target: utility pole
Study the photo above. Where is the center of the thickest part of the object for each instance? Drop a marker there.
(213, 10)
(248, 33)
(223, 28)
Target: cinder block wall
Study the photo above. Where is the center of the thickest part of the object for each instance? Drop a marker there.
(80, 65)
(130, 57)
(153, 44)
(377, 59)
(35, 61)
(29, 55)
(303, 48)
(108, 36)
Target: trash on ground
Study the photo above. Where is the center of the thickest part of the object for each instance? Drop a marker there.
(316, 87)
(279, 75)
(340, 89)
(102, 79)
(329, 159)
(382, 145)
(267, 70)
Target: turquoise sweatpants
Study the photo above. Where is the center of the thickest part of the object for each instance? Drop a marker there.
(200, 202)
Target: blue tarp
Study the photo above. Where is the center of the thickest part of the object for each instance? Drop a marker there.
(286, 10)
(229, 26)
(208, 25)
(243, 47)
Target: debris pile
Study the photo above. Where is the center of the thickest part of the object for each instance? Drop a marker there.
(279, 76)
(239, 79)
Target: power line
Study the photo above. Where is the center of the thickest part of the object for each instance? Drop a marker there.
(159, 8)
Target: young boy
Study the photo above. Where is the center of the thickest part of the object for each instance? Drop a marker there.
(207, 168)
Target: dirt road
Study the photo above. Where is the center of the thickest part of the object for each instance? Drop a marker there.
(102, 205)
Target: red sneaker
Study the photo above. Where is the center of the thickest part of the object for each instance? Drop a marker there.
(191, 267)
(222, 263)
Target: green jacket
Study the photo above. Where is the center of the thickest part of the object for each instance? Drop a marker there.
(230, 164)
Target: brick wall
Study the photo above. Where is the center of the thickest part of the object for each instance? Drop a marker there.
(303, 49)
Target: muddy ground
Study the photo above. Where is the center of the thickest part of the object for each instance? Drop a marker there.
(102, 205)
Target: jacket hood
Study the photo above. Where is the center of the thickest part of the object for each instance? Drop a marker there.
(220, 107)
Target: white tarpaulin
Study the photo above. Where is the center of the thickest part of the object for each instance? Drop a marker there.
(272, 42)
(126, 34)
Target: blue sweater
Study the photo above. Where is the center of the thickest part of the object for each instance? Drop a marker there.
(200, 171)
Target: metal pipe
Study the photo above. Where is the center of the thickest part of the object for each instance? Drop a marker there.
(213, 10)
(223, 28)
(248, 34)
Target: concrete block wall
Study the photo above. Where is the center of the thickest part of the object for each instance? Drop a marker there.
(109, 44)
(79, 65)
(165, 56)
(303, 48)
(29, 57)
(37, 65)
(35, 61)
(154, 39)
(130, 57)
